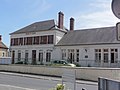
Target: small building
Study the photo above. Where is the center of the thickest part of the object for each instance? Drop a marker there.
(91, 47)
(3, 49)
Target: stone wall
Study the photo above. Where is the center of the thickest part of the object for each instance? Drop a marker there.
(87, 73)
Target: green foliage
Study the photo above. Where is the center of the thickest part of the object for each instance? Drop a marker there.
(59, 87)
(77, 64)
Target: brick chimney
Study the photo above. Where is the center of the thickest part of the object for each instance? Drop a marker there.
(71, 24)
(0, 38)
(60, 20)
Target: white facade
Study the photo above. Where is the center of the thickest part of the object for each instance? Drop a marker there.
(84, 55)
(42, 42)
(41, 48)
(87, 54)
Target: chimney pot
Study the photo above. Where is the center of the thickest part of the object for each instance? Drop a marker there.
(72, 24)
(60, 20)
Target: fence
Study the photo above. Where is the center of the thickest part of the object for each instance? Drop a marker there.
(5, 60)
(108, 84)
(82, 63)
(93, 63)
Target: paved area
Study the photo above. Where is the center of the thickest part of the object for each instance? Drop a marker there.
(48, 78)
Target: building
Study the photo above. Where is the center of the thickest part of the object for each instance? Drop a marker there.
(3, 49)
(35, 43)
(42, 42)
(91, 47)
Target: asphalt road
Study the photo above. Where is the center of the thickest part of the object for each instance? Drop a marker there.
(19, 82)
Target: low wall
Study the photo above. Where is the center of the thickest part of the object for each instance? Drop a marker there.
(88, 73)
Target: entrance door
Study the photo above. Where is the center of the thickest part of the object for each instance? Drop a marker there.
(71, 57)
(13, 57)
(112, 57)
(33, 57)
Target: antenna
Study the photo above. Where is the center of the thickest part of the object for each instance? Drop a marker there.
(116, 8)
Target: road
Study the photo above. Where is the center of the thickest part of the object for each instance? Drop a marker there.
(22, 82)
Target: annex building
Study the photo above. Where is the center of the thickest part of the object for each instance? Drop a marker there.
(44, 41)
(3, 49)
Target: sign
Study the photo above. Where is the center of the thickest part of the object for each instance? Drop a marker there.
(30, 33)
(116, 8)
(108, 84)
(118, 30)
(69, 79)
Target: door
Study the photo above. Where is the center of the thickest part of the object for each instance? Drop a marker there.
(112, 57)
(13, 57)
(71, 57)
(33, 57)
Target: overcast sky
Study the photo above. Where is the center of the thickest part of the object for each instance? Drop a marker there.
(16, 14)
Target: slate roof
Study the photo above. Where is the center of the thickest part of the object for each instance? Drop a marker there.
(39, 26)
(2, 45)
(105, 35)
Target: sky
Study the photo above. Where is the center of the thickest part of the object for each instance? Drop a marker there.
(16, 14)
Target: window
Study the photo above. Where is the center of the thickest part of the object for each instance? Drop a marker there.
(29, 40)
(36, 40)
(97, 55)
(43, 40)
(48, 56)
(77, 55)
(26, 55)
(19, 55)
(50, 39)
(20, 41)
(41, 56)
(3, 54)
(105, 55)
(114, 55)
(15, 41)
(63, 53)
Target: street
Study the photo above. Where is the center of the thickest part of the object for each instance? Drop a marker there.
(22, 82)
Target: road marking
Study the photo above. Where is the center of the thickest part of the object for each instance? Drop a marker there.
(15, 87)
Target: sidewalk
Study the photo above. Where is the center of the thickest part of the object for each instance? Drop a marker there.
(48, 78)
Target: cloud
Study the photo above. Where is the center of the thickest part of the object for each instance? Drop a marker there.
(101, 3)
(101, 16)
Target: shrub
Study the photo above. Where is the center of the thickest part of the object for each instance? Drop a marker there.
(77, 64)
(59, 87)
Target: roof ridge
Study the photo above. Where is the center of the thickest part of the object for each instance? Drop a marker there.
(94, 28)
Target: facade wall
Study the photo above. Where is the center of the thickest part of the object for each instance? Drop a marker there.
(87, 54)
(46, 50)
(86, 73)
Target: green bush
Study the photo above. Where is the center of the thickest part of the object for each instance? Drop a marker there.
(77, 64)
(59, 87)
(20, 62)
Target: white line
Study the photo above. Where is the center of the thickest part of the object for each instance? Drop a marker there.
(16, 87)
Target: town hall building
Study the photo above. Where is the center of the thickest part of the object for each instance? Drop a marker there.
(45, 41)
